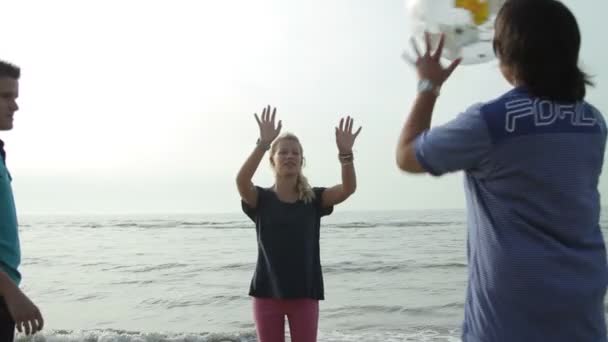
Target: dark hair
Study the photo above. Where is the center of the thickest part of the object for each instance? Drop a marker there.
(9, 70)
(540, 40)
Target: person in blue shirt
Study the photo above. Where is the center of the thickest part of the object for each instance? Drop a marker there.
(532, 159)
(16, 309)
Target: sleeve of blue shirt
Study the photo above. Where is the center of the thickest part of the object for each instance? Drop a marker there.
(459, 144)
(603, 127)
(600, 118)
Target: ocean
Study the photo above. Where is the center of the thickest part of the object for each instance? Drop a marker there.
(389, 276)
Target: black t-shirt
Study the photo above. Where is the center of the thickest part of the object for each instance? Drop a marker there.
(289, 262)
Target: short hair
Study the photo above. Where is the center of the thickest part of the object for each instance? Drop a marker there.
(540, 40)
(9, 70)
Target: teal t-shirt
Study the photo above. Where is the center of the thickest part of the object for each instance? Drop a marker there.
(10, 253)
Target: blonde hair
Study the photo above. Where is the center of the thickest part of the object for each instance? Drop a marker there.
(305, 192)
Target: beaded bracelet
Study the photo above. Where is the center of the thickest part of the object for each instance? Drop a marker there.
(346, 158)
(261, 145)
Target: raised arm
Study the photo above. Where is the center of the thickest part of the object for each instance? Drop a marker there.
(345, 139)
(431, 76)
(268, 132)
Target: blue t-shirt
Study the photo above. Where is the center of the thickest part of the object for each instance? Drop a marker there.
(10, 254)
(536, 255)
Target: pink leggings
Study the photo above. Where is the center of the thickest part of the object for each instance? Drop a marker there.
(302, 314)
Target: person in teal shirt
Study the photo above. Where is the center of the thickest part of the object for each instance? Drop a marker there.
(16, 309)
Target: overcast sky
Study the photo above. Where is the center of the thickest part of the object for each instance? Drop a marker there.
(147, 106)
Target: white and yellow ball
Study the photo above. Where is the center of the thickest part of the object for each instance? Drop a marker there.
(468, 26)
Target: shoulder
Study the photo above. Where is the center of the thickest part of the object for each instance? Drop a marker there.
(4, 171)
(468, 122)
(318, 190)
(261, 194)
(500, 114)
(318, 201)
(263, 191)
(497, 106)
(265, 195)
(262, 201)
(598, 117)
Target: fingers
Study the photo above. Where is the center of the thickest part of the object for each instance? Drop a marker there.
(268, 115)
(19, 325)
(279, 126)
(428, 48)
(415, 47)
(358, 131)
(350, 122)
(23, 326)
(28, 327)
(409, 59)
(32, 325)
(346, 126)
(39, 320)
(450, 69)
(257, 119)
(35, 326)
(439, 50)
